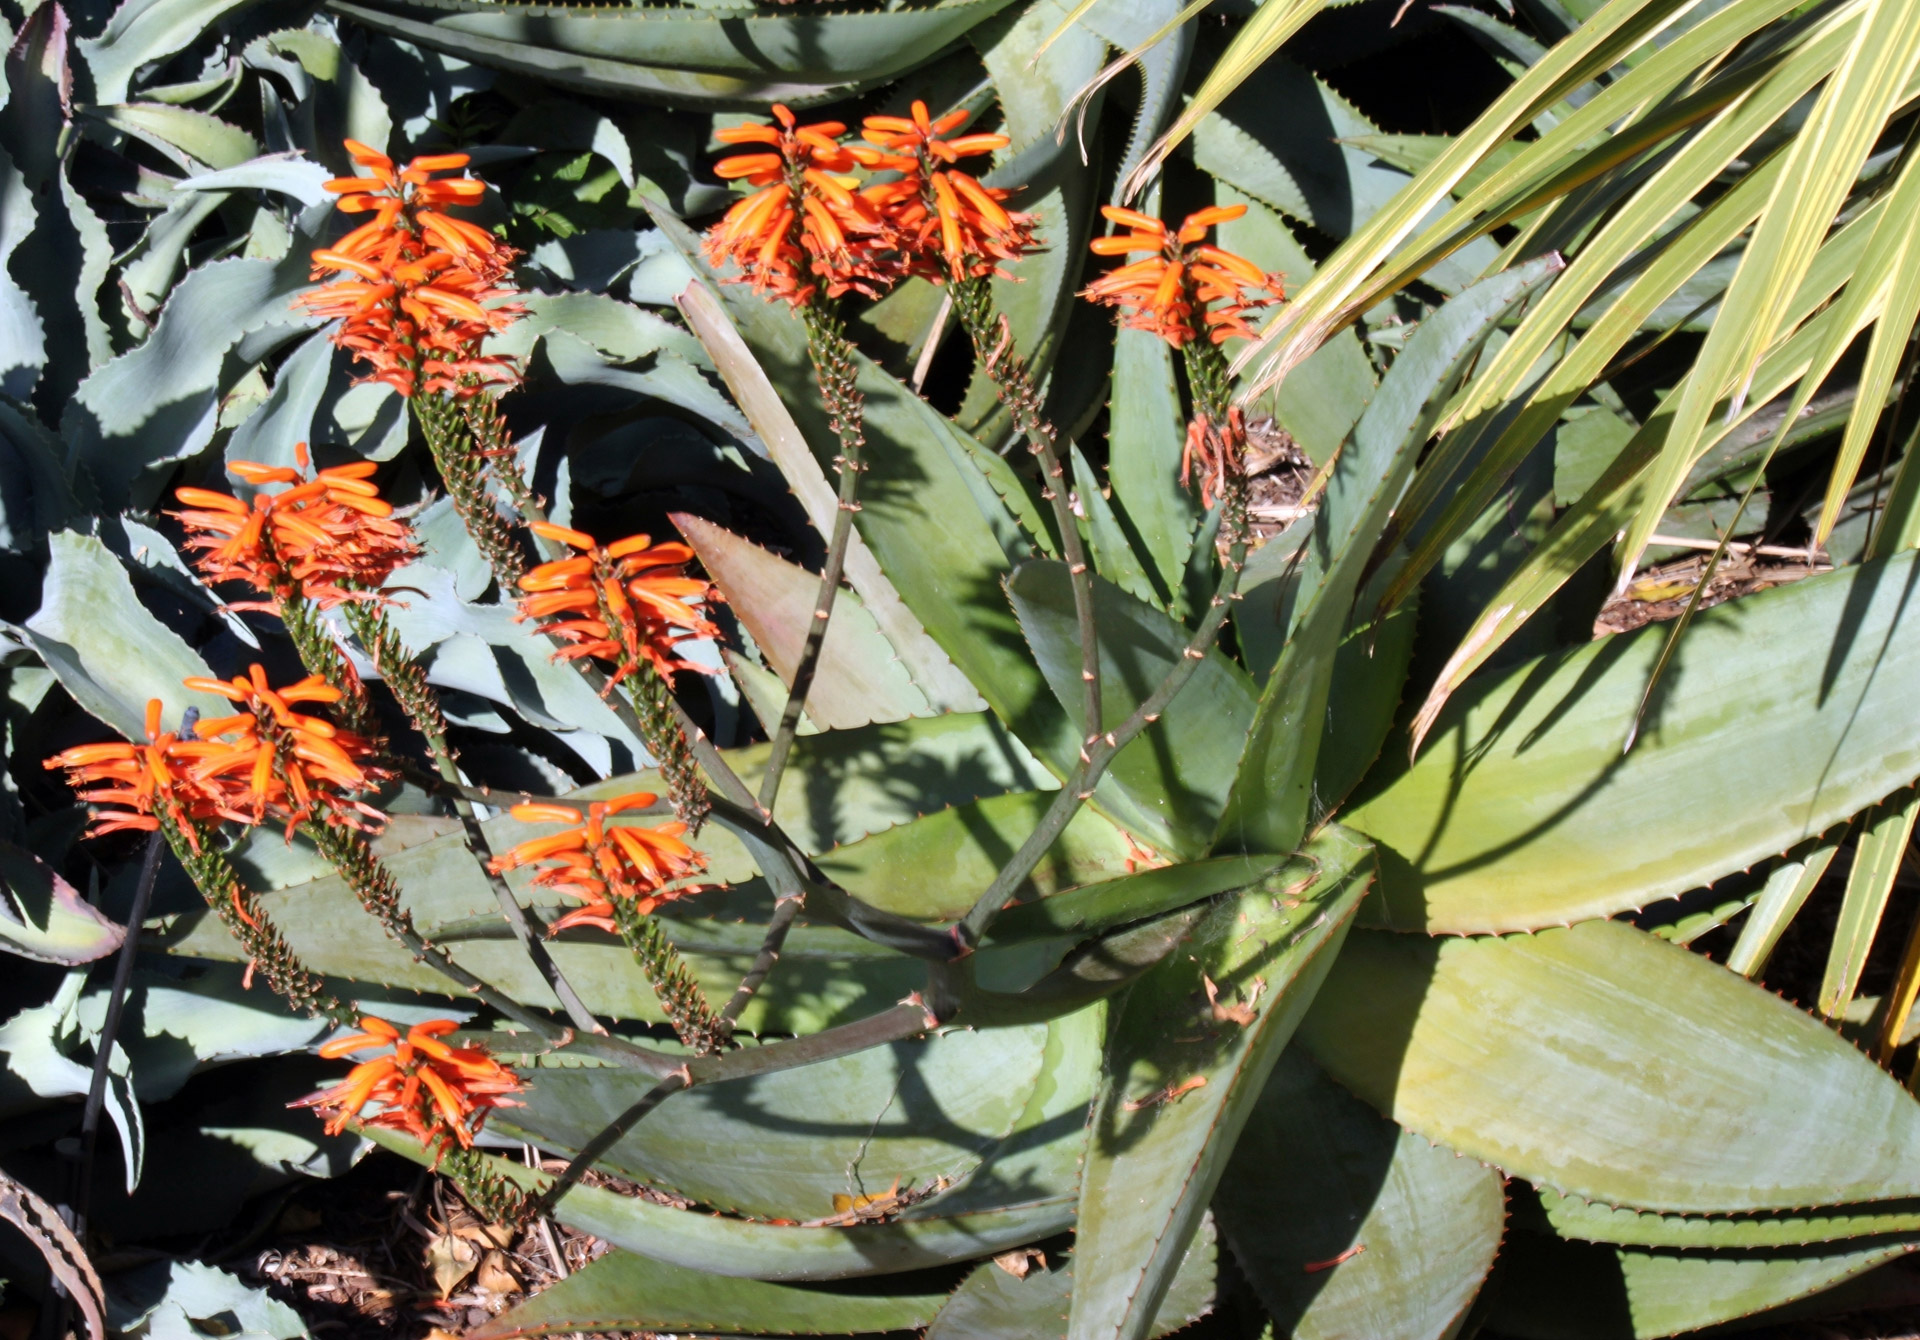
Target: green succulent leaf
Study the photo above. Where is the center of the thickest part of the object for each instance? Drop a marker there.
(1174, 777)
(1606, 1063)
(142, 31)
(1587, 1221)
(623, 1291)
(1524, 780)
(1193, 1045)
(907, 1119)
(43, 917)
(1347, 1225)
(993, 1303)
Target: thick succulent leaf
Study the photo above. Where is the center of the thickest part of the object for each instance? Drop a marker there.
(1273, 790)
(1606, 1063)
(695, 55)
(1191, 1050)
(859, 679)
(1128, 24)
(160, 401)
(1524, 780)
(1173, 777)
(1347, 1225)
(916, 1116)
(43, 917)
(1147, 893)
(107, 651)
(23, 337)
(171, 1297)
(34, 496)
(623, 1291)
(141, 31)
(993, 1303)
(1552, 1290)
(1586, 1221)
(194, 140)
(1146, 428)
(1788, 886)
(742, 1248)
(1878, 854)
(1112, 548)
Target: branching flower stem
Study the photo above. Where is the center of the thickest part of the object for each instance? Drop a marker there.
(994, 355)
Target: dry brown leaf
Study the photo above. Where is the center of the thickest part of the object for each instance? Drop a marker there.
(1021, 1260)
(495, 1276)
(451, 1258)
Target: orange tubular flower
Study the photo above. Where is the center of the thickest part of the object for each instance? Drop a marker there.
(130, 785)
(269, 762)
(412, 286)
(330, 539)
(1181, 275)
(438, 1093)
(806, 225)
(597, 863)
(627, 602)
(944, 222)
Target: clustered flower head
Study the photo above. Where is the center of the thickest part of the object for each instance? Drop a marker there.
(598, 862)
(944, 222)
(330, 539)
(626, 603)
(806, 225)
(1213, 449)
(129, 786)
(269, 762)
(810, 225)
(438, 1093)
(411, 287)
(1182, 277)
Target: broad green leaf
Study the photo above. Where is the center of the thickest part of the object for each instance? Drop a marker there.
(993, 1303)
(623, 1291)
(858, 679)
(1272, 794)
(1146, 430)
(1175, 775)
(274, 433)
(1589, 1222)
(143, 31)
(692, 55)
(914, 1117)
(1347, 1225)
(1194, 1043)
(1110, 545)
(1523, 779)
(193, 140)
(748, 1250)
(106, 650)
(43, 917)
(1147, 893)
(1550, 1290)
(1606, 1063)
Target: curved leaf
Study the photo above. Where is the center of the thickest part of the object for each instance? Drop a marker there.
(1606, 1063)
(43, 917)
(1586, 1221)
(1347, 1225)
(1524, 780)
(1194, 1044)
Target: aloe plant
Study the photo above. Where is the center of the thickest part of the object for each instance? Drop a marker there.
(1076, 883)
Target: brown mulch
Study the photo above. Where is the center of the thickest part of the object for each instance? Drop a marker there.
(1662, 592)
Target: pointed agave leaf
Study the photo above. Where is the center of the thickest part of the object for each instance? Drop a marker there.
(1622, 1293)
(1146, 428)
(1113, 554)
(916, 1116)
(1171, 1108)
(623, 1291)
(1523, 780)
(103, 646)
(1148, 893)
(1347, 1225)
(1587, 1221)
(143, 31)
(1174, 776)
(995, 1304)
(858, 680)
(1609, 1064)
(43, 917)
(745, 1249)
(1272, 794)
(1785, 893)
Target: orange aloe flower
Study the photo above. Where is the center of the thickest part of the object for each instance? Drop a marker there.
(128, 786)
(806, 222)
(438, 1093)
(626, 602)
(597, 862)
(415, 289)
(1181, 276)
(330, 539)
(944, 222)
(269, 762)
